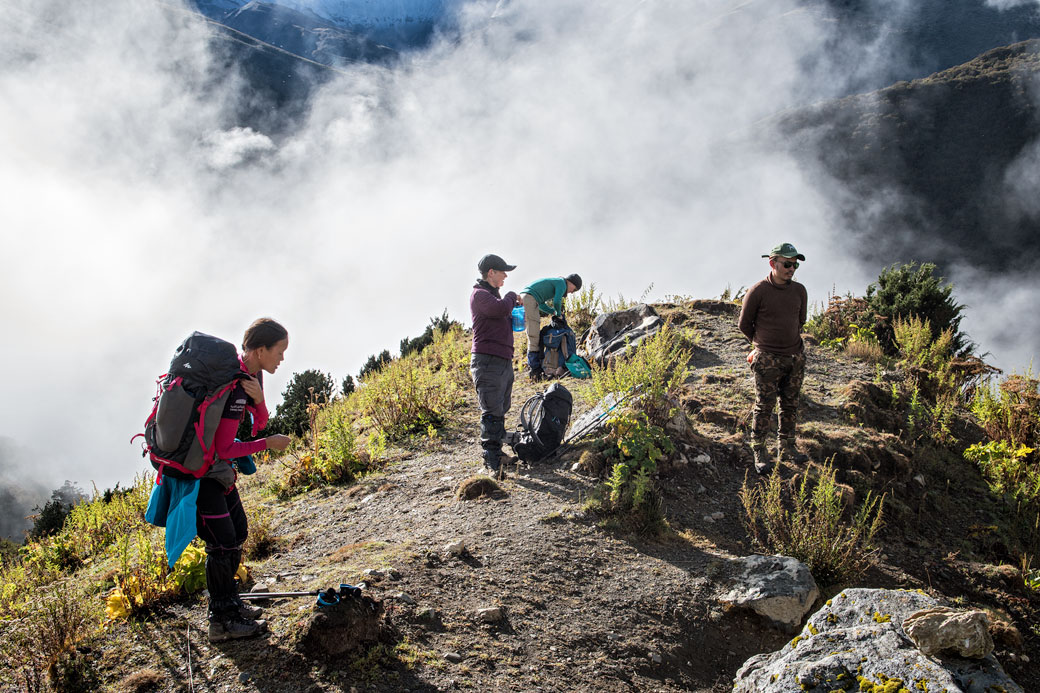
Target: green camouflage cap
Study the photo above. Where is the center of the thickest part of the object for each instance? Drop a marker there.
(785, 250)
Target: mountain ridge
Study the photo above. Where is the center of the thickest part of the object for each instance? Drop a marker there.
(581, 606)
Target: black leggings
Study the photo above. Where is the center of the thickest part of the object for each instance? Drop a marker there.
(221, 522)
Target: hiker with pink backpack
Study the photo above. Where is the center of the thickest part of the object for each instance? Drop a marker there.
(190, 440)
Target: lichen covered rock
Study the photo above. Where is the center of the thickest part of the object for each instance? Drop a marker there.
(856, 643)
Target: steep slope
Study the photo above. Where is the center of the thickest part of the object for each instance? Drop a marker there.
(927, 168)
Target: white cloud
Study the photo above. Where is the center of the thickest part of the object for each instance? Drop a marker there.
(624, 141)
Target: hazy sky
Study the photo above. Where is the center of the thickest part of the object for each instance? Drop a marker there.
(622, 140)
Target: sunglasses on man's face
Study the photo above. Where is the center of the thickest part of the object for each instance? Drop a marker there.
(789, 265)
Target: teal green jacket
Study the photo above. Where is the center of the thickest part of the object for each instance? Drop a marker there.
(549, 293)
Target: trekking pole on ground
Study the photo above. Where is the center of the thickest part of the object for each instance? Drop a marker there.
(327, 597)
(575, 436)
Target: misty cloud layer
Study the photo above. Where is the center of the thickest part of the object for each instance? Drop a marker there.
(623, 141)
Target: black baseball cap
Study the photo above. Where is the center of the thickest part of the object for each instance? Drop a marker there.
(494, 262)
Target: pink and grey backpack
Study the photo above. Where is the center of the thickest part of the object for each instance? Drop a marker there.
(188, 404)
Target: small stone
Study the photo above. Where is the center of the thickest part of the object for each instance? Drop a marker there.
(576, 467)
(492, 614)
(453, 657)
(702, 459)
(655, 658)
(708, 520)
(367, 498)
(455, 548)
(244, 677)
(260, 589)
(426, 614)
(403, 597)
(718, 516)
(394, 574)
(440, 489)
(701, 490)
(920, 479)
(373, 574)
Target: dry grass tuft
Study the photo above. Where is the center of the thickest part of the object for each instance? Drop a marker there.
(146, 680)
(478, 487)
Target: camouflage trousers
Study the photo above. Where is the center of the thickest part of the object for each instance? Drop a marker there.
(776, 376)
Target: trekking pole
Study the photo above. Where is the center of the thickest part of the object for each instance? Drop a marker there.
(327, 597)
(575, 436)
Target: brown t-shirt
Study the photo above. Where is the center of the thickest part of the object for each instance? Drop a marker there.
(773, 314)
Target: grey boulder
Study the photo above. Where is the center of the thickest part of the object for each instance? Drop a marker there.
(856, 642)
(612, 333)
(780, 588)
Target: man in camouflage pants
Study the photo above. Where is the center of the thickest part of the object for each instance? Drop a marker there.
(772, 316)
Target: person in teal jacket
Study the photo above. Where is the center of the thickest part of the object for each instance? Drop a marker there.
(543, 297)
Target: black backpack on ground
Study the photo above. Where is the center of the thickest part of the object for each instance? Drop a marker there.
(543, 422)
(189, 402)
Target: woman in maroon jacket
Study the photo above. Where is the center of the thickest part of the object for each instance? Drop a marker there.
(221, 520)
(491, 361)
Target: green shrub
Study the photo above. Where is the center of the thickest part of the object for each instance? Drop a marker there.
(629, 496)
(100, 523)
(845, 318)
(340, 456)
(655, 368)
(809, 524)
(347, 386)
(51, 517)
(303, 389)
(440, 323)
(1009, 468)
(1011, 471)
(582, 308)
(1010, 410)
(912, 291)
(415, 393)
(8, 551)
(375, 364)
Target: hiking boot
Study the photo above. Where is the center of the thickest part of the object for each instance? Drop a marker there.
(234, 628)
(493, 461)
(789, 452)
(537, 375)
(763, 461)
(248, 611)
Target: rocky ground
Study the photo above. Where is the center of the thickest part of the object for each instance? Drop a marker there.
(575, 607)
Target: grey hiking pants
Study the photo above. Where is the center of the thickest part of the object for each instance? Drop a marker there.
(493, 378)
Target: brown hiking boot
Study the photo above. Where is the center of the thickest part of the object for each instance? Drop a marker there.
(789, 452)
(763, 460)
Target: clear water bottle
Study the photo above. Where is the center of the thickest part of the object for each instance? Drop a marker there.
(518, 319)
